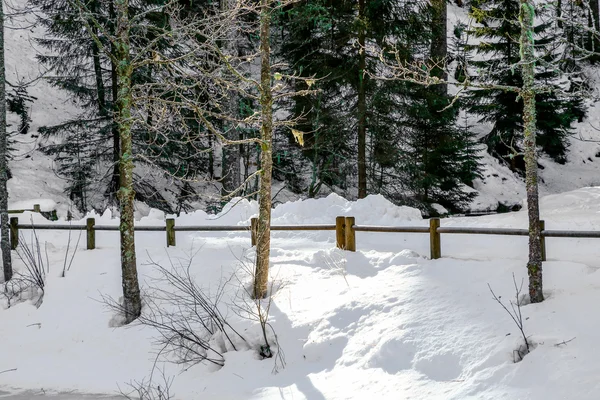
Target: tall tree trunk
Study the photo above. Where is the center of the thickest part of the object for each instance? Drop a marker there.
(534, 266)
(439, 44)
(263, 244)
(100, 89)
(4, 230)
(132, 304)
(595, 25)
(362, 103)
(114, 183)
(230, 165)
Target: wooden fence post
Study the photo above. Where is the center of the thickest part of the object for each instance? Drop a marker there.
(37, 208)
(254, 230)
(543, 239)
(14, 232)
(350, 234)
(91, 233)
(340, 235)
(170, 232)
(435, 243)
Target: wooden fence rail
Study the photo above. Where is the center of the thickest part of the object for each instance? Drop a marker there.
(345, 231)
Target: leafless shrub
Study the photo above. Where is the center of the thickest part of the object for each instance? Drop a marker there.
(67, 266)
(13, 291)
(36, 265)
(517, 317)
(149, 389)
(191, 327)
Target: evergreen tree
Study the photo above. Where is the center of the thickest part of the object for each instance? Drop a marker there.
(87, 147)
(496, 32)
(406, 132)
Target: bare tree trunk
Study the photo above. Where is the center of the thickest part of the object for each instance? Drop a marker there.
(131, 292)
(4, 229)
(595, 25)
(231, 169)
(439, 44)
(362, 103)
(114, 183)
(100, 89)
(263, 244)
(534, 266)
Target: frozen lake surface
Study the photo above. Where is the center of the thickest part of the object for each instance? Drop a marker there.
(4, 395)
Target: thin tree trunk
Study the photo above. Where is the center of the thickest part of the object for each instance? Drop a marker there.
(534, 266)
(263, 244)
(230, 164)
(100, 89)
(131, 292)
(439, 44)
(113, 186)
(362, 104)
(595, 25)
(4, 229)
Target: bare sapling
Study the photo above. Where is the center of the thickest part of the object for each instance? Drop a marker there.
(258, 310)
(515, 314)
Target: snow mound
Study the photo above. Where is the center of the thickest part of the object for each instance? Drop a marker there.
(585, 200)
(374, 210)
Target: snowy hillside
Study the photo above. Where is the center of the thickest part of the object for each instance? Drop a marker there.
(382, 323)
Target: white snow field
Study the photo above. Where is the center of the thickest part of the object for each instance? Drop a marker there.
(382, 323)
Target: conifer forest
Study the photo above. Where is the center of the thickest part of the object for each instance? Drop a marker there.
(347, 115)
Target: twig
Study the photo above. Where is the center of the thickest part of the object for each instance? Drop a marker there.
(8, 370)
(564, 342)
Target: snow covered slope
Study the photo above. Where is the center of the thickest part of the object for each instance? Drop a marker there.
(382, 323)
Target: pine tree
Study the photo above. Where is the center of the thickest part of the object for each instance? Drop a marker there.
(87, 147)
(496, 31)
(320, 38)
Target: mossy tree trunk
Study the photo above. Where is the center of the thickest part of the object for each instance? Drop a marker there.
(5, 242)
(527, 51)
(263, 244)
(131, 292)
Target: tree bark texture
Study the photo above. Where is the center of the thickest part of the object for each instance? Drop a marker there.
(114, 183)
(230, 166)
(439, 44)
(362, 103)
(4, 228)
(527, 52)
(263, 244)
(131, 292)
(100, 89)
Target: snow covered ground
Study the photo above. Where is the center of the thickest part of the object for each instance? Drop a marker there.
(382, 323)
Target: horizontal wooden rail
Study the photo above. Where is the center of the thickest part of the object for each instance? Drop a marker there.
(392, 229)
(484, 231)
(54, 227)
(571, 234)
(303, 227)
(214, 228)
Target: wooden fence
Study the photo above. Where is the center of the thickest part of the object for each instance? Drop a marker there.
(345, 231)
